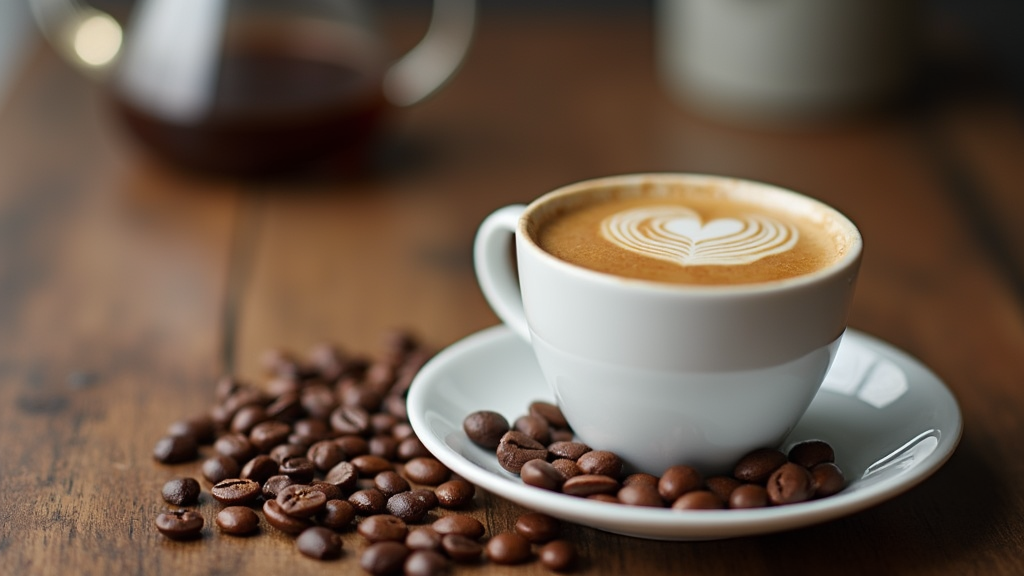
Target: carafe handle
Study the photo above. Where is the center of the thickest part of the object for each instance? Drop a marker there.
(432, 62)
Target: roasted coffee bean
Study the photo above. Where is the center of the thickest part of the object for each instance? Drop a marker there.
(558, 435)
(810, 453)
(758, 465)
(202, 429)
(789, 484)
(260, 469)
(558, 555)
(722, 486)
(425, 563)
(381, 423)
(176, 449)
(485, 428)
(640, 478)
(273, 486)
(248, 416)
(350, 420)
(298, 468)
(301, 501)
(234, 491)
(412, 506)
(748, 496)
(425, 538)
(368, 501)
(541, 474)
(678, 480)
(567, 468)
(640, 495)
(459, 524)
(590, 484)
(568, 450)
(698, 500)
(537, 528)
(319, 543)
(600, 462)
(410, 448)
(181, 491)
(284, 451)
(353, 445)
(237, 520)
(535, 427)
(277, 518)
(219, 467)
(516, 449)
(383, 527)
(426, 470)
(311, 431)
(236, 447)
(180, 524)
(286, 408)
(369, 465)
(390, 483)
(508, 548)
(455, 493)
(336, 515)
(460, 548)
(384, 558)
(549, 412)
(318, 400)
(828, 479)
(331, 491)
(343, 475)
(609, 498)
(384, 446)
(325, 454)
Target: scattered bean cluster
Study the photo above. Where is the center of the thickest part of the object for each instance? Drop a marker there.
(540, 448)
(324, 448)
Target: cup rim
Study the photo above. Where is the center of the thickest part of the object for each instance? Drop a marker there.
(849, 260)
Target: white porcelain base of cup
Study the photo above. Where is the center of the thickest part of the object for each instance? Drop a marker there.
(706, 420)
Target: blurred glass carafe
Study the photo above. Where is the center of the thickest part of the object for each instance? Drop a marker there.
(255, 86)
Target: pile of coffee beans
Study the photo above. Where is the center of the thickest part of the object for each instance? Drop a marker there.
(540, 447)
(325, 448)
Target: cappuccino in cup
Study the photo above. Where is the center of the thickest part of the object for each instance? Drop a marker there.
(684, 233)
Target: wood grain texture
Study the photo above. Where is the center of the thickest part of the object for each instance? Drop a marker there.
(126, 289)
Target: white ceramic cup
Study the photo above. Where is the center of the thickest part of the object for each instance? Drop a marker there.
(666, 374)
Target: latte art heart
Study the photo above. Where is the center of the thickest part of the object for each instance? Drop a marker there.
(679, 235)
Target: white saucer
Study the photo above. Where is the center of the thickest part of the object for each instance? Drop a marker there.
(891, 421)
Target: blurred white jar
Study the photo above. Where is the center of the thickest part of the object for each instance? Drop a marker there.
(782, 62)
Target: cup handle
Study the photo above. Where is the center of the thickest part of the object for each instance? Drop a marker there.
(432, 62)
(496, 267)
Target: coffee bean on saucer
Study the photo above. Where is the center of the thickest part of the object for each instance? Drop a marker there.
(541, 474)
(789, 484)
(828, 479)
(516, 449)
(567, 468)
(180, 524)
(678, 480)
(237, 520)
(485, 428)
(698, 500)
(722, 486)
(319, 543)
(567, 449)
(181, 491)
(535, 427)
(758, 465)
(810, 453)
(600, 462)
(748, 496)
(640, 495)
(549, 412)
(590, 484)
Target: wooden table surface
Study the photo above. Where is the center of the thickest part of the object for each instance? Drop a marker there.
(127, 289)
